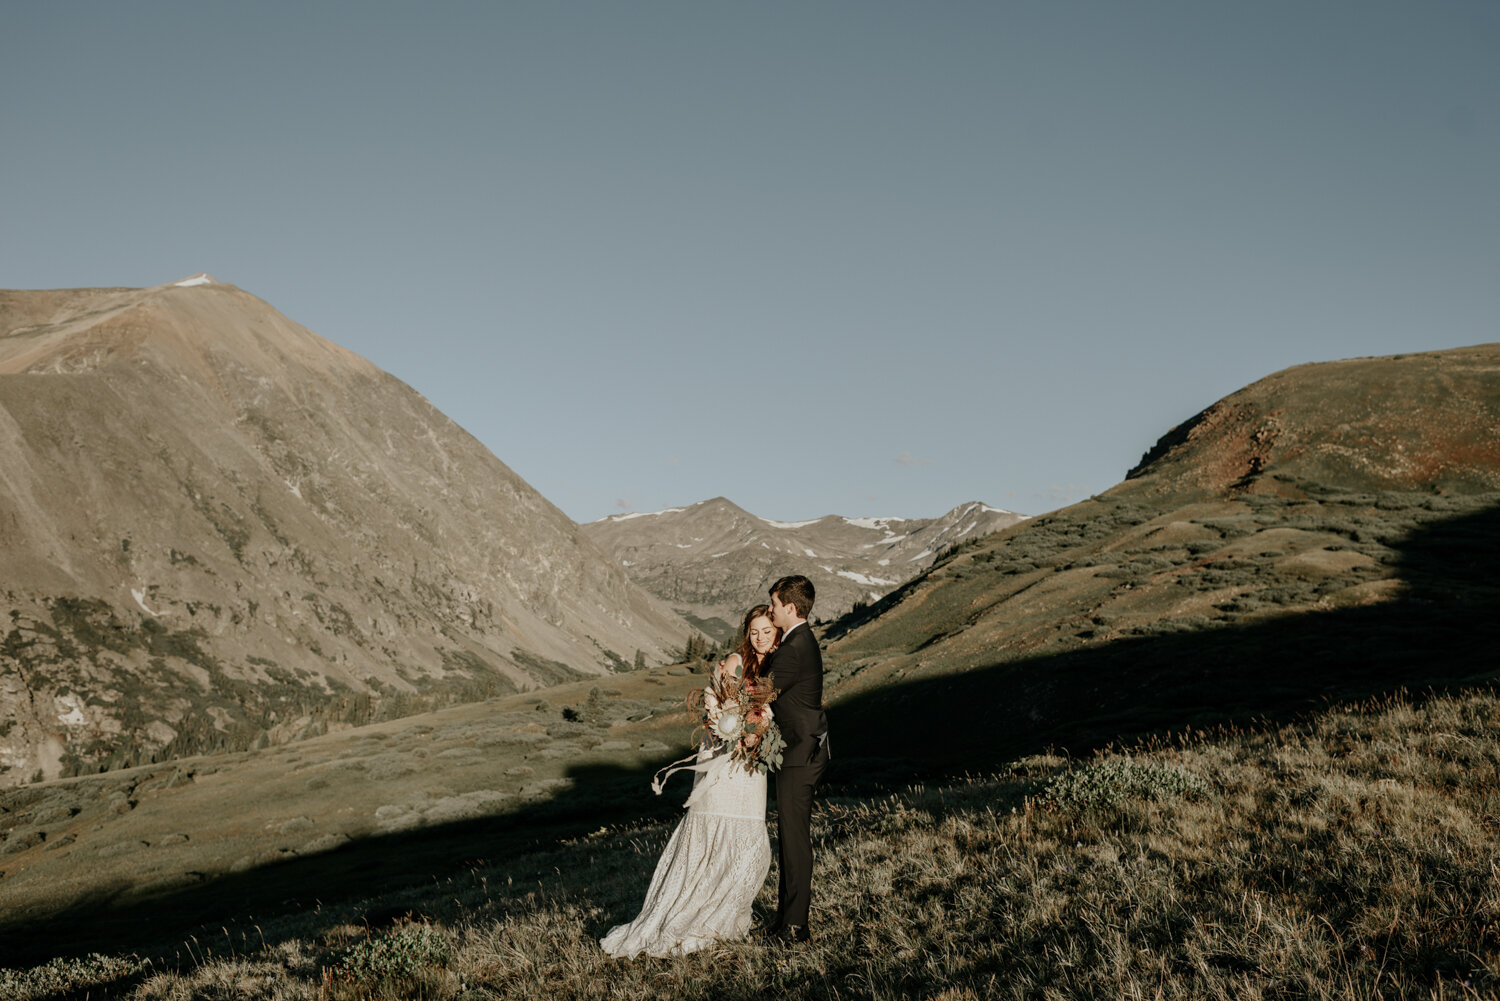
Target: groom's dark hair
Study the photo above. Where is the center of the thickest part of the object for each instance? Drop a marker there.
(795, 590)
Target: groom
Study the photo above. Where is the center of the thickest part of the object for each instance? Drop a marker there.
(796, 669)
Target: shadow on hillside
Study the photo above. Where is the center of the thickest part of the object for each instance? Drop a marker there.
(114, 918)
(1437, 636)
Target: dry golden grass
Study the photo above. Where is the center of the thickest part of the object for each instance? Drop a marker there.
(1352, 857)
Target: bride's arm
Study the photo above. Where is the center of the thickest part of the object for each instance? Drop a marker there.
(730, 667)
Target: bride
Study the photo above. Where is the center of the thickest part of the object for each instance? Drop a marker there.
(719, 855)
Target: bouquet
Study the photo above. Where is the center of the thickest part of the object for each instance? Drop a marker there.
(737, 713)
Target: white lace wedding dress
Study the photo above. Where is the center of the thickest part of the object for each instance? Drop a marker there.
(711, 869)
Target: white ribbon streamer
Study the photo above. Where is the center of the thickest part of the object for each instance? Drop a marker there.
(691, 765)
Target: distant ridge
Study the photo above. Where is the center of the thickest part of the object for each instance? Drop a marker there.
(218, 527)
(713, 560)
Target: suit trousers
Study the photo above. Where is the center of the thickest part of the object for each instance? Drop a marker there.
(794, 793)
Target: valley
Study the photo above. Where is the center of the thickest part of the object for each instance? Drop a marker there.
(1229, 728)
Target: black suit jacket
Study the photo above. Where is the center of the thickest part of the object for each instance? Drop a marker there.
(796, 670)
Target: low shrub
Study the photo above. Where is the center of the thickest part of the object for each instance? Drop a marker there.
(399, 964)
(66, 976)
(1112, 781)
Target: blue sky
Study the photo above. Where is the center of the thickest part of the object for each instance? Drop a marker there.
(861, 258)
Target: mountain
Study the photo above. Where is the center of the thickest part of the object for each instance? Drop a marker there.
(714, 560)
(1206, 607)
(1328, 532)
(217, 527)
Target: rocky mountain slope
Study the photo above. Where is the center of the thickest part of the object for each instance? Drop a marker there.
(713, 560)
(1327, 532)
(217, 527)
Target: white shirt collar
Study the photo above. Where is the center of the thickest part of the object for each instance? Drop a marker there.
(791, 630)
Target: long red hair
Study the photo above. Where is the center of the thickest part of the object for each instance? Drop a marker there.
(748, 656)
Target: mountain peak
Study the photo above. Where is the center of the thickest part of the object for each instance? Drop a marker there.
(713, 560)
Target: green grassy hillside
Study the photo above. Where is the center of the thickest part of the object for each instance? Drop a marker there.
(1326, 533)
(1101, 624)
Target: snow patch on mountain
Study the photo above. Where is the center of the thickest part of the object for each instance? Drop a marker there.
(75, 715)
(790, 524)
(860, 578)
(140, 599)
(876, 523)
(642, 514)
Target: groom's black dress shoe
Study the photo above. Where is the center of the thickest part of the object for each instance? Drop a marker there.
(791, 935)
